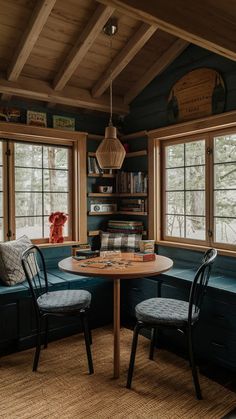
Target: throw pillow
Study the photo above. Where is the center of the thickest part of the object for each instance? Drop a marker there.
(120, 241)
(11, 270)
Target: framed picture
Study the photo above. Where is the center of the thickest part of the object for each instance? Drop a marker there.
(9, 114)
(63, 122)
(38, 119)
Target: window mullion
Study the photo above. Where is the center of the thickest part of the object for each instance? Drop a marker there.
(209, 190)
(11, 191)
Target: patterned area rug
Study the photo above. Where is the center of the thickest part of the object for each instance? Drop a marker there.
(62, 388)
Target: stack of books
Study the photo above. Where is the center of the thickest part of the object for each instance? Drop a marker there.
(127, 227)
(131, 182)
(143, 257)
(133, 205)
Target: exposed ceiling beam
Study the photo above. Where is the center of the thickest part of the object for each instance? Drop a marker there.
(84, 42)
(210, 25)
(29, 38)
(123, 58)
(166, 59)
(72, 96)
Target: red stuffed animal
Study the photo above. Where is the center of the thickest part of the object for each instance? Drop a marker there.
(57, 220)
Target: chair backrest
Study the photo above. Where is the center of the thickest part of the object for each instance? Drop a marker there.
(200, 283)
(35, 271)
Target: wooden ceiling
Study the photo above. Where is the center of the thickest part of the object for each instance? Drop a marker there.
(55, 51)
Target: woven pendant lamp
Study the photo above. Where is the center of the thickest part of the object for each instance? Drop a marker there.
(110, 153)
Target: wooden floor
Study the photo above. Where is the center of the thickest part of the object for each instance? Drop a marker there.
(62, 388)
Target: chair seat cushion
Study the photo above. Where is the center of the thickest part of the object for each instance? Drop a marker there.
(164, 311)
(64, 301)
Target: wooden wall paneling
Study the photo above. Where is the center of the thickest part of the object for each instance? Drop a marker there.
(154, 190)
(40, 14)
(82, 189)
(188, 21)
(160, 65)
(83, 44)
(132, 47)
(40, 90)
(5, 188)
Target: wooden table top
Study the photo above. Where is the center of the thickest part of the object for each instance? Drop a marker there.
(116, 266)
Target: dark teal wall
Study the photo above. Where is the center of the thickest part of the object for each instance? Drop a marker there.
(149, 109)
(92, 123)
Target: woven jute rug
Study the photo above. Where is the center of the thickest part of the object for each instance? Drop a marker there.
(62, 387)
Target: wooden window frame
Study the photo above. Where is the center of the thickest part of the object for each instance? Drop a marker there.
(207, 128)
(76, 142)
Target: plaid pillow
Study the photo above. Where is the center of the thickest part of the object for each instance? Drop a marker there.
(120, 241)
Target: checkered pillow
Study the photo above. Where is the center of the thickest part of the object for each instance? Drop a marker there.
(120, 241)
(11, 270)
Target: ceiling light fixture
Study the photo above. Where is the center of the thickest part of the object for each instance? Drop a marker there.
(110, 153)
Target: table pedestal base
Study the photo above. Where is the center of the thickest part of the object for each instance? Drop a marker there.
(116, 311)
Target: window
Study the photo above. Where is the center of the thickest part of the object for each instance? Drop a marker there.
(38, 183)
(41, 187)
(199, 190)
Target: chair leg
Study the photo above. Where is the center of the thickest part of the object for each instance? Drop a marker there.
(38, 347)
(193, 365)
(152, 343)
(90, 336)
(87, 341)
(137, 328)
(46, 333)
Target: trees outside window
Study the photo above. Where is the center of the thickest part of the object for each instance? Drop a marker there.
(34, 181)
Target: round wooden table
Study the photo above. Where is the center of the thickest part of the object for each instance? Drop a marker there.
(116, 267)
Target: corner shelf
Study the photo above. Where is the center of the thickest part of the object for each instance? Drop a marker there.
(118, 212)
(93, 233)
(116, 195)
(107, 175)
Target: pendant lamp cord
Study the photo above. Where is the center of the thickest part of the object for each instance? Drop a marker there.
(110, 120)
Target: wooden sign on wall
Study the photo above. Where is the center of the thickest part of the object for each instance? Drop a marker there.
(197, 94)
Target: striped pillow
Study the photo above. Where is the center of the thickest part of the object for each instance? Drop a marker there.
(120, 241)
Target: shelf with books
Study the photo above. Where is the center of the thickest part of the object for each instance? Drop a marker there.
(116, 195)
(104, 175)
(133, 213)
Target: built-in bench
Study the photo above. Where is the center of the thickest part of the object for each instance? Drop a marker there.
(215, 337)
(17, 317)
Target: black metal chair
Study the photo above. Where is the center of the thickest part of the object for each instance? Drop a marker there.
(156, 313)
(53, 303)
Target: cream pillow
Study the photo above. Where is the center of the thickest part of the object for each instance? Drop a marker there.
(11, 271)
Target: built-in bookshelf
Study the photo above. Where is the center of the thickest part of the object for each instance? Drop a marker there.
(129, 189)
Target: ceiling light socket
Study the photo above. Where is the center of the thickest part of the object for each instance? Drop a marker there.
(110, 27)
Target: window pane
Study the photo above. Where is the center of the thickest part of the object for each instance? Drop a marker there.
(225, 203)
(1, 229)
(195, 228)
(31, 226)
(195, 153)
(225, 176)
(28, 155)
(28, 179)
(28, 203)
(195, 203)
(195, 177)
(55, 202)
(225, 230)
(175, 155)
(55, 157)
(175, 225)
(225, 148)
(175, 202)
(1, 185)
(55, 180)
(174, 179)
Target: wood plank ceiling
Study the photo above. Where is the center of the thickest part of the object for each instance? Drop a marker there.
(55, 51)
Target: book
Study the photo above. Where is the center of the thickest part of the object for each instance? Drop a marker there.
(143, 257)
(87, 254)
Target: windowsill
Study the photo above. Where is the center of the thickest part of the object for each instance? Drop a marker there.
(67, 243)
(223, 252)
